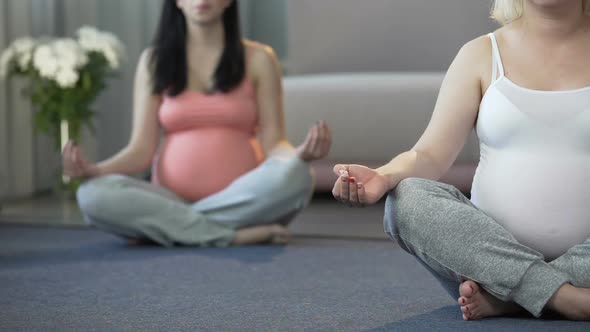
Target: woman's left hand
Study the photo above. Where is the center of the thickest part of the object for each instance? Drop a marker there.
(317, 142)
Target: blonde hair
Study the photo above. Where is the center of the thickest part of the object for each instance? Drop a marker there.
(506, 11)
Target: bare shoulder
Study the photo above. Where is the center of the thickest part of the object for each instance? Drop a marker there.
(259, 51)
(145, 72)
(480, 48)
(476, 50)
(261, 58)
(474, 60)
(146, 56)
(145, 62)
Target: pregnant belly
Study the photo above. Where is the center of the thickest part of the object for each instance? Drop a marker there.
(544, 203)
(196, 164)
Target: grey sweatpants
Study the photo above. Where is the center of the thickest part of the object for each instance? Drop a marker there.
(274, 192)
(456, 241)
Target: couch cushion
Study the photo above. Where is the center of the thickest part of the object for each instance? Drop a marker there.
(372, 116)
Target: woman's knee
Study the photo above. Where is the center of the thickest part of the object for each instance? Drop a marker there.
(404, 203)
(295, 169)
(288, 176)
(294, 185)
(103, 182)
(412, 187)
(94, 196)
(306, 178)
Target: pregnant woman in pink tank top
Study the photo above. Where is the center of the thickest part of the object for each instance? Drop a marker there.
(223, 172)
(522, 243)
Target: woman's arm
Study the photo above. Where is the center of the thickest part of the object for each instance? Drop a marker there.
(265, 69)
(453, 119)
(137, 155)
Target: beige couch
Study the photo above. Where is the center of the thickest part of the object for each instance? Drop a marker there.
(373, 118)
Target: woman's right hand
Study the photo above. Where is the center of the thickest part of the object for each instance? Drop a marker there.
(359, 185)
(74, 165)
(317, 142)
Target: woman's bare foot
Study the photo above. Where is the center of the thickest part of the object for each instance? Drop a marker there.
(571, 302)
(279, 235)
(476, 303)
(273, 234)
(317, 143)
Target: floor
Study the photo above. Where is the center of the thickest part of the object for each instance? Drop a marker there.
(340, 273)
(81, 279)
(317, 220)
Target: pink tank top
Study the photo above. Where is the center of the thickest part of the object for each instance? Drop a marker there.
(534, 170)
(209, 141)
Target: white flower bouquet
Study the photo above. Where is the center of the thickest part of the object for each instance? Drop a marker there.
(64, 77)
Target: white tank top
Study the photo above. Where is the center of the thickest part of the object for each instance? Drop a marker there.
(533, 175)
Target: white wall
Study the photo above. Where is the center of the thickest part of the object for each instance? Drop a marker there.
(265, 21)
(381, 35)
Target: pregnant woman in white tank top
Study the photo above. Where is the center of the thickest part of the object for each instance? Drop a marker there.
(534, 170)
(523, 240)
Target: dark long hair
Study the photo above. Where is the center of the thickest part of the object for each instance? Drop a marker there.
(169, 56)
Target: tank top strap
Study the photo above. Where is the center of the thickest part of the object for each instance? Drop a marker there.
(497, 66)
